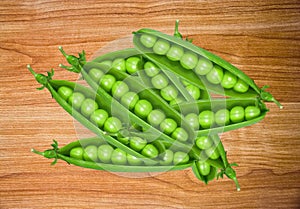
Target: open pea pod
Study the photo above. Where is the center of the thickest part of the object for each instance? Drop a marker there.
(200, 67)
(65, 153)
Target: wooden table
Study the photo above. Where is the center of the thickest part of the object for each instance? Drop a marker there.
(260, 37)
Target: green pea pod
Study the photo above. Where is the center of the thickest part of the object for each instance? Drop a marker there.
(53, 85)
(64, 154)
(190, 75)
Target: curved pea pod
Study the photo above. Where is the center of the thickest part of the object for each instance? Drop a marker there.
(64, 154)
(53, 85)
(214, 105)
(200, 81)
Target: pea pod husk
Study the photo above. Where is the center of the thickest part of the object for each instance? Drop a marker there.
(189, 75)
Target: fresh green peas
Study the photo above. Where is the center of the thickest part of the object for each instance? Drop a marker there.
(168, 125)
(241, 86)
(107, 81)
(151, 69)
(180, 134)
(129, 99)
(88, 107)
(105, 153)
(142, 108)
(119, 89)
(156, 117)
(119, 157)
(150, 151)
(204, 142)
(99, 117)
(215, 76)
(251, 112)
(180, 158)
(119, 64)
(212, 153)
(76, 100)
(133, 64)
(206, 119)
(65, 92)
(77, 153)
(160, 81)
(134, 161)
(90, 153)
(203, 66)
(96, 74)
(237, 114)
(148, 40)
(175, 53)
(194, 91)
(192, 120)
(204, 168)
(167, 157)
(169, 93)
(229, 80)
(189, 60)
(222, 117)
(112, 125)
(161, 47)
(137, 143)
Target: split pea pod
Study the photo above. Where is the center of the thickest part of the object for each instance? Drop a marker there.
(200, 67)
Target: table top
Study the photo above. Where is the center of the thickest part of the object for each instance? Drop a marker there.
(261, 38)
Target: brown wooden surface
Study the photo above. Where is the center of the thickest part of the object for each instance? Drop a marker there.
(260, 37)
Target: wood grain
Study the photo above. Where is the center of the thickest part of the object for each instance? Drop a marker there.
(260, 37)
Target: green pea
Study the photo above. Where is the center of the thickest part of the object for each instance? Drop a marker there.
(159, 81)
(169, 93)
(150, 151)
(222, 117)
(133, 64)
(176, 101)
(134, 161)
(99, 117)
(77, 153)
(204, 142)
(90, 153)
(155, 117)
(168, 125)
(167, 158)
(251, 112)
(119, 157)
(192, 120)
(206, 118)
(107, 62)
(76, 100)
(180, 134)
(203, 66)
(88, 107)
(241, 86)
(215, 76)
(189, 60)
(194, 91)
(143, 108)
(65, 92)
(137, 143)
(151, 69)
(237, 114)
(180, 158)
(119, 89)
(105, 153)
(161, 47)
(96, 74)
(112, 125)
(129, 99)
(119, 64)
(148, 40)
(204, 168)
(107, 81)
(229, 80)
(124, 140)
(212, 153)
(175, 53)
